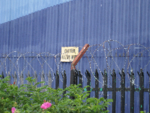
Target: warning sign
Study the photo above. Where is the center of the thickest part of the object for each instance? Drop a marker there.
(68, 54)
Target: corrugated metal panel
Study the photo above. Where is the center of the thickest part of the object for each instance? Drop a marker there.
(75, 24)
(11, 10)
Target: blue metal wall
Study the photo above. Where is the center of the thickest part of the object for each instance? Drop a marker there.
(11, 10)
(76, 23)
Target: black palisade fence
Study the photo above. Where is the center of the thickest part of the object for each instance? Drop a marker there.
(122, 89)
(77, 79)
(122, 74)
(149, 91)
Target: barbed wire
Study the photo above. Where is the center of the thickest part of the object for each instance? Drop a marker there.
(11, 62)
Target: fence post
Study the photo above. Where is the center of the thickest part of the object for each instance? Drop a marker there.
(28, 75)
(42, 78)
(9, 78)
(122, 74)
(96, 84)
(72, 76)
(88, 76)
(149, 91)
(75, 77)
(113, 91)
(80, 79)
(21, 78)
(2, 75)
(141, 89)
(76, 60)
(35, 76)
(49, 79)
(64, 81)
(105, 85)
(131, 92)
(15, 78)
(57, 79)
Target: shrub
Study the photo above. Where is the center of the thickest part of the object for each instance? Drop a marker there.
(29, 98)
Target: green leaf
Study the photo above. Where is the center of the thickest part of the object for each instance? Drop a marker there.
(39, 83)
(109, 100)
(141, 111)
(101, 89)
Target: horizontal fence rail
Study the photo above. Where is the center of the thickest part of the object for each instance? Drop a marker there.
(105, 89)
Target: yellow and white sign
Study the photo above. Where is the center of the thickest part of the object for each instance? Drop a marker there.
(68, 53)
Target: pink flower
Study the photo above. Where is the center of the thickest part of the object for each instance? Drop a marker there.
(13, 110)
(46, 105)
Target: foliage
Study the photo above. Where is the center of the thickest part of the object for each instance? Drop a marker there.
(28, 98)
